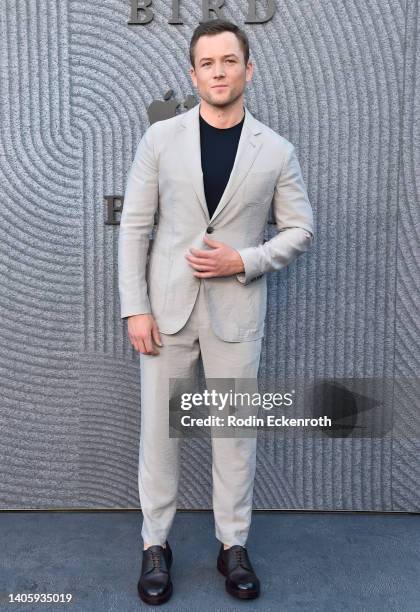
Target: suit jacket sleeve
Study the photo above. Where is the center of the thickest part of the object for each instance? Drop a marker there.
(294, 220)
(137, 218)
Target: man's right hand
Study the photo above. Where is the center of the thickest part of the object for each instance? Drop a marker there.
(144, 333)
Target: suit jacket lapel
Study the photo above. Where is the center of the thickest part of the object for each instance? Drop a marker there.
(189, 147)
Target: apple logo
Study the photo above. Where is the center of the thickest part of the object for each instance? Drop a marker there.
(159, 110)
(162, 109)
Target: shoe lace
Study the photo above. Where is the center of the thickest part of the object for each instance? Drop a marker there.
(240, 554)
(156, 559)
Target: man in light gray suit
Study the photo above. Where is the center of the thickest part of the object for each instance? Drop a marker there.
(211, 174)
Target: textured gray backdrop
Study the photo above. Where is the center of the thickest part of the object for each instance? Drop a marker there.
(341, 81)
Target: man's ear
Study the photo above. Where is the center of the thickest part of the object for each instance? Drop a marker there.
(250, 71)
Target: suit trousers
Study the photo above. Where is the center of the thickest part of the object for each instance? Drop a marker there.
(233, 457)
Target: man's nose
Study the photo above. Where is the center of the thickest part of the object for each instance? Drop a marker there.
(219, 70)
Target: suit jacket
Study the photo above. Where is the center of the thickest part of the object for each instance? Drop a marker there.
(166, 178)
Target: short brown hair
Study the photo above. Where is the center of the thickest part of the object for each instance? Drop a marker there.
(216, 26)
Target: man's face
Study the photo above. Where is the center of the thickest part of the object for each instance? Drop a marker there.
(219, 60)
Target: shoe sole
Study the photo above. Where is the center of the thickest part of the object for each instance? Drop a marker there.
(236, 592)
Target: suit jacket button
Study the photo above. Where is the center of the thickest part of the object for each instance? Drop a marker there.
(210, 229)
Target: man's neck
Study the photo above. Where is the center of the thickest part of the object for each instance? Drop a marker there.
(222, 118)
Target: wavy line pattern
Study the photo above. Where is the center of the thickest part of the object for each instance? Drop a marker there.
(338, 79)
(41, 263)
(406, 443)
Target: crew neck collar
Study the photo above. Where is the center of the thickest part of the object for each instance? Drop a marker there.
(232, 127)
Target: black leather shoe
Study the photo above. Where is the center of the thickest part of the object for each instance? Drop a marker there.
(155, 586)
(241, 580)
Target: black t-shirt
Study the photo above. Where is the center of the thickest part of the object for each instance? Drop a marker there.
(218, 152)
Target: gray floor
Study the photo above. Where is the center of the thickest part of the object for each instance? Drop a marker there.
(329, 562)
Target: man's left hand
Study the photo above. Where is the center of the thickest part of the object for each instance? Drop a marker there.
(220, 260)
